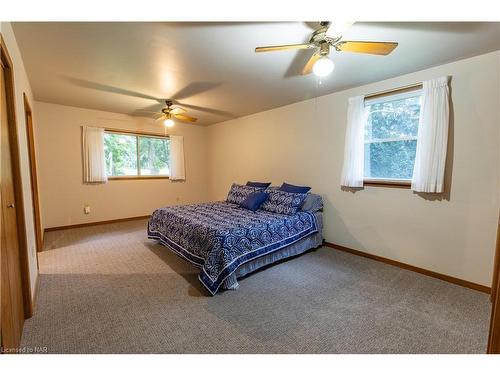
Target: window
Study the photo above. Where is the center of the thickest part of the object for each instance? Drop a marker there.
(136, 155)
(391, 137)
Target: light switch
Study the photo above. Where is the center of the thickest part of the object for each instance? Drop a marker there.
(86, 209)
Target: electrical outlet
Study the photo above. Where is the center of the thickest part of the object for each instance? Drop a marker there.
(86, 209)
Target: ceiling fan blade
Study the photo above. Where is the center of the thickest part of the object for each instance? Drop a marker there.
(299, 61)
(162, 117)
(185, 118)
(285, 47)
(177, 110)
(308, 67)
(373, 48)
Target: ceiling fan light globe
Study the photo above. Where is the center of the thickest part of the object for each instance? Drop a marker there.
(323, 67)
(168, 122)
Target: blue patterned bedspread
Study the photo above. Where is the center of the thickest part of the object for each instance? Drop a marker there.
(218, 237)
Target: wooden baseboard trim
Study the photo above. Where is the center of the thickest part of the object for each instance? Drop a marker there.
(450, 279)
(72, 226)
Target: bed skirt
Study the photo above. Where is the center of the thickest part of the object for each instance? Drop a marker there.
(310, 242)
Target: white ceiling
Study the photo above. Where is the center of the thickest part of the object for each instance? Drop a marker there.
(122, 67)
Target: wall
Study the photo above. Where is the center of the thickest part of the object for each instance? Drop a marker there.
(303, 143)
(62, 192)
(21, 85)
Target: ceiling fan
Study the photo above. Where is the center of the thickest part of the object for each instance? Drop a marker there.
(168, 113)
(174, 106)
(330, 35)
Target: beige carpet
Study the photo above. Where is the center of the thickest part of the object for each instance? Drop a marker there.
(108, 289)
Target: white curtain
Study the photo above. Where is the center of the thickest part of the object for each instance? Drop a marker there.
(430, 158)
(354, 151)
(94, 163)
(177, 158)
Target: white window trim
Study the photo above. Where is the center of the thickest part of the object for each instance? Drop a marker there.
(396, 139)
(393, 97)
(137, 176)
(384, 99)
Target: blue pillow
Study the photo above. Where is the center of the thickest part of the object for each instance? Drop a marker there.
(254, 201)
(239, 193)
(313, 203)
(282, 202)
(294, 189)
(264, 185)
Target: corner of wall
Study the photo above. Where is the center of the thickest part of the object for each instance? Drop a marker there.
(21, 86)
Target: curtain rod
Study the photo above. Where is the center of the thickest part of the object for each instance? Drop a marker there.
(413, 86)
(135, 132)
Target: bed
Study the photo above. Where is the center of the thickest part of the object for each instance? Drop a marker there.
(227, 242)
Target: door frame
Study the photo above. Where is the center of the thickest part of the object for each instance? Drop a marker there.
(30, 137)
(494, 335)
(8, 68)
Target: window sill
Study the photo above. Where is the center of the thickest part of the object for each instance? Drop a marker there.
(388, 183)
(138, 178)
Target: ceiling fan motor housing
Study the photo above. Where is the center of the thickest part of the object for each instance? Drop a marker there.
(167, 109)
(324, 49)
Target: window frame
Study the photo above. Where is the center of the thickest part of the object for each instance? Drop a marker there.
(137, 134)
(402, 92)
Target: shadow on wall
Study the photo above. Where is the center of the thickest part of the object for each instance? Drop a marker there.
(350, 241)
(335, 223)
(342, 236)
(352, 190)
